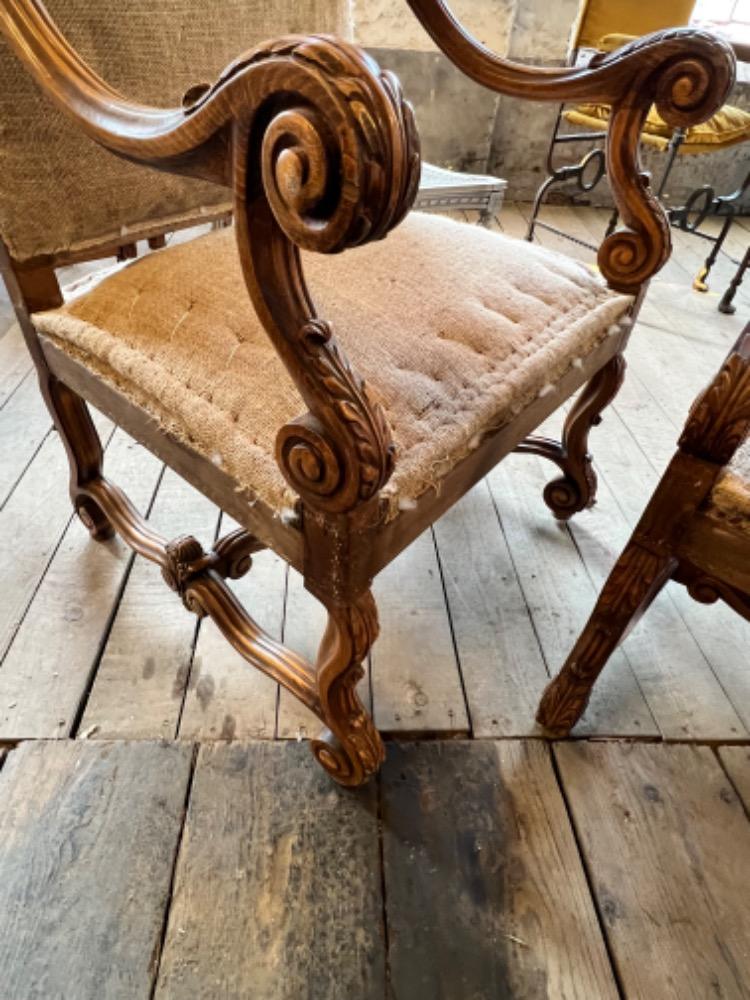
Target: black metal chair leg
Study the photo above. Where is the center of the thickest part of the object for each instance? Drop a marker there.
(678, 137)
(725, 305)
(700, 282)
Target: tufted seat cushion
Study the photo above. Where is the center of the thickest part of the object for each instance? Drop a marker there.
(455, 329)
(730, 499)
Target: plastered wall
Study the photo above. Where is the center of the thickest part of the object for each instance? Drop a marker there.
(465, 127)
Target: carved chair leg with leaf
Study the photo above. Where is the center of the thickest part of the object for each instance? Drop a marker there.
(695, 530)
(632, 585)
(576, 489)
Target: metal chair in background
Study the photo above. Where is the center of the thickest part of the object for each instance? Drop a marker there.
(604, 25)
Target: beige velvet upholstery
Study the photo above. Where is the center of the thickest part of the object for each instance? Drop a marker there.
(455, 329)
(60, 191)
(730, 499)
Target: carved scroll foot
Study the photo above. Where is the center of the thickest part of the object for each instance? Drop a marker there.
(94, 520)
(636, 579)
(350, 749)
(576, 488)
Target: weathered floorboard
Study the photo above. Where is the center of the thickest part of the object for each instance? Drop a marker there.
(42, 683)
(277, 888)
(736, 762)
(228, 698)
(140, 684)
(24, 424)
(88, 836)
(416, 683)
(560, 594)
(667, 844)
(486, 893)
(15, 361)
(31, 525)
(501, 663)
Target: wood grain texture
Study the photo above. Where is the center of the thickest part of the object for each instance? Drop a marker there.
(89, 833)
(415, 678)
(15, 362)
(665, 837)
(558, 591)
(501, 664)
(226, 698)
(736, 762)
(486, 893)
(277, 889)
(141, 680)
(39, 506)
(43, 681)
(24, 423)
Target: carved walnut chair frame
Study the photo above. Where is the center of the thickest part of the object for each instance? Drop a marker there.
(292, 128)
(676, 539)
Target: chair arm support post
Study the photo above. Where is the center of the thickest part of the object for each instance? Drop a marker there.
(686, 72)
(321, 152)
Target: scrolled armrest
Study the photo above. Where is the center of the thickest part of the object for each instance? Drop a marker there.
(687, 73)
(321, 153)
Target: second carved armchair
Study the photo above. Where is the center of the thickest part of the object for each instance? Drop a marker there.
(334, 391)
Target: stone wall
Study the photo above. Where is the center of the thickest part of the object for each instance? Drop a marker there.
(465, 127)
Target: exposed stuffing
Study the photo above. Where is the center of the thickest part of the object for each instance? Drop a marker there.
(730, 499)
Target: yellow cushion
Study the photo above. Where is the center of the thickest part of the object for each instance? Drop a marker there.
(598, 18)
(726, 128)
(614, 41)
(455, 329)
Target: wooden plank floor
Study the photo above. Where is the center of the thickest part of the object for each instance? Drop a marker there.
(163, 832)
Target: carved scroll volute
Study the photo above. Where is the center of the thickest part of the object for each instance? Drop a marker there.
(687, 75)
(330, 164)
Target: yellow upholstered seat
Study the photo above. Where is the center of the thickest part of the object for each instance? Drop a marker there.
(730, 499)
(730, 126)
(455, 329)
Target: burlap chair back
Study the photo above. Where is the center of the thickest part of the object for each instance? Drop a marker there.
(59, 191)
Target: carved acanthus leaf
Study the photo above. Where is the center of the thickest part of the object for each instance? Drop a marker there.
(719, 420)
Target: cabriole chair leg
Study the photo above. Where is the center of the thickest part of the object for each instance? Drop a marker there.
(576, 488)
(636, 579)
(350, 749)
(85, 456)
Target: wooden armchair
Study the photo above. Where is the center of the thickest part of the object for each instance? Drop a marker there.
(334, 406)
(695, 530)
